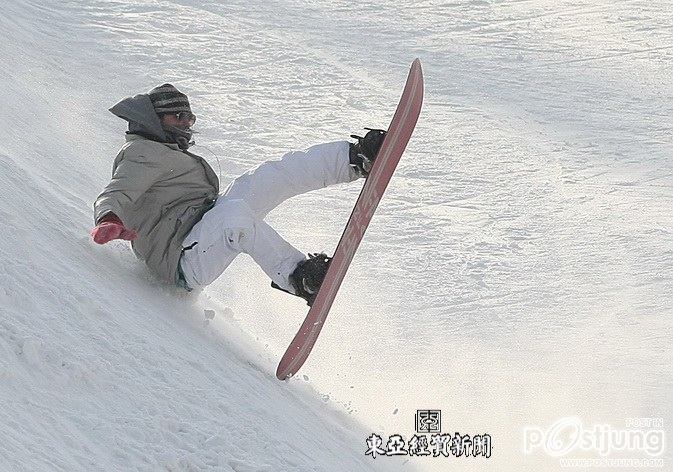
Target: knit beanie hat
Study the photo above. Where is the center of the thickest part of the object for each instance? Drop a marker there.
(167, 99)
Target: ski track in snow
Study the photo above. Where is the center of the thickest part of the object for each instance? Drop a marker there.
(519, 265)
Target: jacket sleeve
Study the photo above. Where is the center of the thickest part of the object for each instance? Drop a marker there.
(132, 177)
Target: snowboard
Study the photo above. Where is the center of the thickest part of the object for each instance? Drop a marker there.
(397, 137)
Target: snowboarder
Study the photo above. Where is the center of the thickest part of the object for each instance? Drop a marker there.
(166, 200)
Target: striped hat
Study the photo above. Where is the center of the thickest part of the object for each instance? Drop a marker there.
(167, 99)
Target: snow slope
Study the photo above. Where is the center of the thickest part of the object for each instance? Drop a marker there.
(102, 368)
(518, 271)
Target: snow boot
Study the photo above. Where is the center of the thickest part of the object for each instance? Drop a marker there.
(364, 152)
(307, 277)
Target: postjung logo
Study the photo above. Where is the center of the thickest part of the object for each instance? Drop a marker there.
(642, 438)
(429, 442)
(428, 421)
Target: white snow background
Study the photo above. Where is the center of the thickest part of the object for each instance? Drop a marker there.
(518, 270)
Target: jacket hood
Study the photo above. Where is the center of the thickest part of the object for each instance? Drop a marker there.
(139, 112)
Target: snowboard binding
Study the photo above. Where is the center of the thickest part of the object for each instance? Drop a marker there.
(307, 278)
(364, 152)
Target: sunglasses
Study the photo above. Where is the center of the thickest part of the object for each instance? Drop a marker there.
(184, 116)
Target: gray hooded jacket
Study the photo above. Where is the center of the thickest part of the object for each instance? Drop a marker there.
(156, 188)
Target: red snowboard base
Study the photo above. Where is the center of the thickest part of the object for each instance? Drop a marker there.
(399, 133)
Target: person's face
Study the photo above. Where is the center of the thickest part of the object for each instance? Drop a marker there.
(182, 120)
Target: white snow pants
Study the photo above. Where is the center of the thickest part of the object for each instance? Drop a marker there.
(236, 223)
